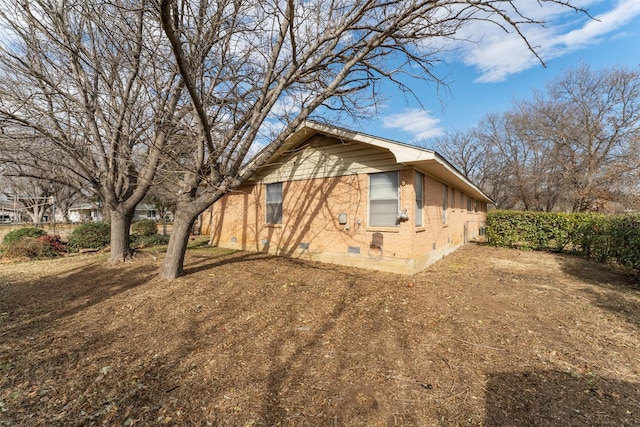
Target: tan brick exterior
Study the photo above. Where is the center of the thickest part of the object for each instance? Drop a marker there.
(310, 227)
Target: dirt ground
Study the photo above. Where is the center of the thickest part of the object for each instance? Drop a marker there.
(486, 336)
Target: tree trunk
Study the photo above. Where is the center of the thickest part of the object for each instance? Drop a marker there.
(120, 225)
(173, 266)
(106, 215)
(36, 213)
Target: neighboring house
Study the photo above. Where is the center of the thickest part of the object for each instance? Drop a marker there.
(146, 211)
(85, 212)
(343, 197)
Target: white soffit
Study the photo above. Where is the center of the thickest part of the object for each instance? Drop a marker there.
(426, 161)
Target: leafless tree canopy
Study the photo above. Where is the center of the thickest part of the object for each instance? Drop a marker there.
(573, 147)
(88, 88)
(128, 91)
(249, 66)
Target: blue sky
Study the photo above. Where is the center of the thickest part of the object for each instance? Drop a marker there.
(486, 77)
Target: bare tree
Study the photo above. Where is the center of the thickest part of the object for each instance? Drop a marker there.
(593, 119)
(38, 185)
(572, 147)
(250, 64)
(90, 88)
(521, 169)
(31, 196)
(464, 152)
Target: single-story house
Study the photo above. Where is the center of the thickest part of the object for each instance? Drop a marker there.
(83, 212)
(89, 211)
(340, 196)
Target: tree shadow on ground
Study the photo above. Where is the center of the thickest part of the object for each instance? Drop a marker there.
(197, 263)
(32, 305)
(598, 273)
(552, 398)
(614, 290)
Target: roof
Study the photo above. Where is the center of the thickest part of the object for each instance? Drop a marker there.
(426, 161)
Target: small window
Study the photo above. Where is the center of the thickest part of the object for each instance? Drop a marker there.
(383, 199)
(419, 187)
(151, 214)
(274, 203)
(445, 203)
(468, 204)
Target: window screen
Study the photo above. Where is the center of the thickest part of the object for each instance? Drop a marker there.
(445, 203)
(274, 203)
(419, 187)
(383, 199)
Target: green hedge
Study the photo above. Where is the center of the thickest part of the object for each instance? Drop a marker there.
(602, 237)
(90, 235)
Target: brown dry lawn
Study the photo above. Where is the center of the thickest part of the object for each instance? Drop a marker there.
(484, 337)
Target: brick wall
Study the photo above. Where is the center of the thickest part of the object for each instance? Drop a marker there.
(310, 228)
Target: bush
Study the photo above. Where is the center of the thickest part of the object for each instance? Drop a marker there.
(34, 248)
(53, 242)
(22, 233)
(552, 231)
(625, 240)
(142, 241)
(602, 237)
(146, 227)
(90, 235)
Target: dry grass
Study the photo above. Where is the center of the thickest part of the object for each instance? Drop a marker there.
(484, 337)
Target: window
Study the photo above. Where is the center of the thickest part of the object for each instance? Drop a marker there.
(383, 199)
(445, 204)
(151, 214)
(468, 204)
(274, 203)
(419, 187)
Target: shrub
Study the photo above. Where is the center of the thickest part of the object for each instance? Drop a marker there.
(34, 248)
(625, 240)
(90, 235)
(22, 233)
(602, 237)
(155, 240)
(146, 227)
(54, 242)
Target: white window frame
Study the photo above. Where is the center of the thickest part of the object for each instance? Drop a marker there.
(445, 202)
(273, 200)
(391, 209)
(419, 181)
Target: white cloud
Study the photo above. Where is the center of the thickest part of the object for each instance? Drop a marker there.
(496, 54)
(603, 24)
(419, 123)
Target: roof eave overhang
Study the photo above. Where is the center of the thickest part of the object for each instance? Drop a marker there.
(426, 161)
